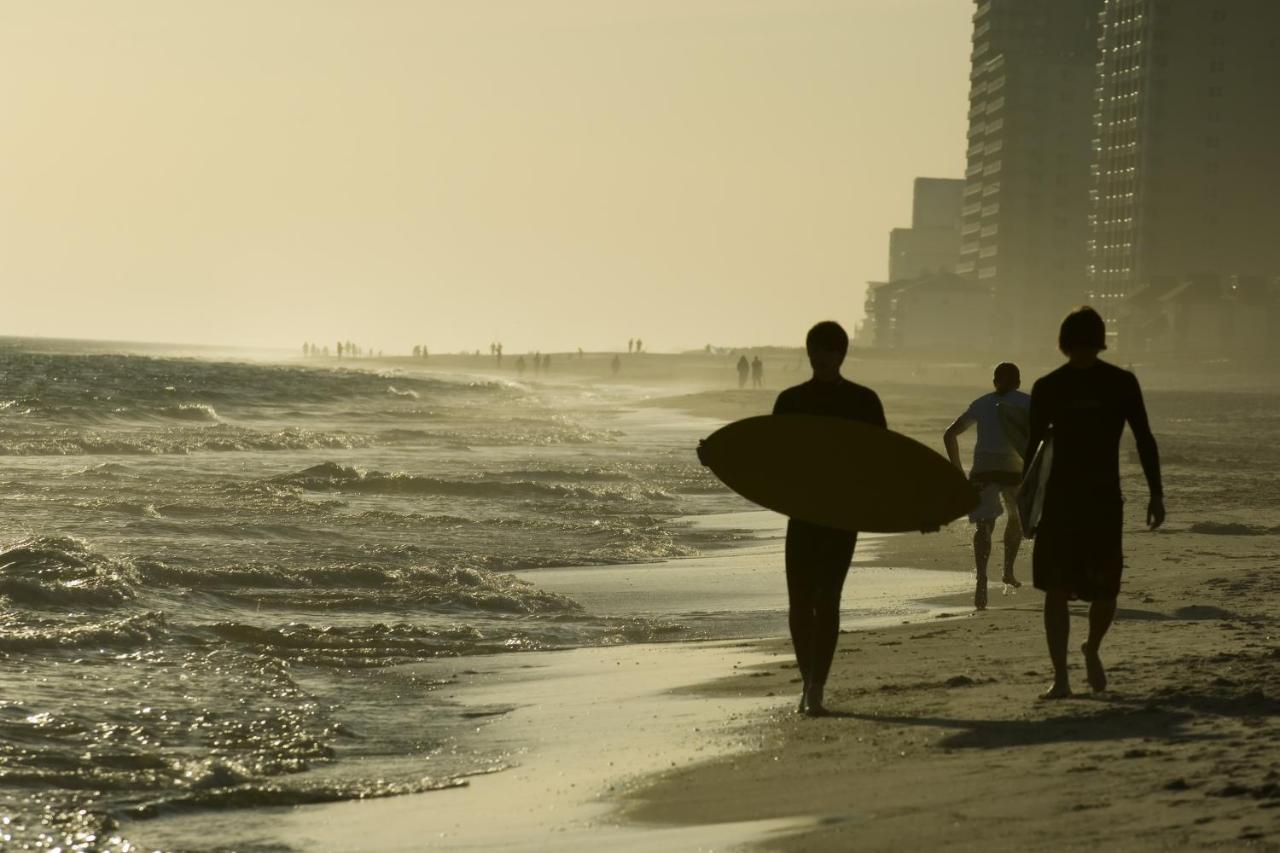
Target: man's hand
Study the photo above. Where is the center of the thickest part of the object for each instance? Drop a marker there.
(702, 451)
(1155, 512)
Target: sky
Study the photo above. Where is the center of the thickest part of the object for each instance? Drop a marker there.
(551, 174)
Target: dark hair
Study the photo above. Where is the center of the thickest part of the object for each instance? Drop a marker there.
(1007, 369)
(827, 336)
(1083, 328)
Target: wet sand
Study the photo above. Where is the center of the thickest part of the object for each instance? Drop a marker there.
(939, 740)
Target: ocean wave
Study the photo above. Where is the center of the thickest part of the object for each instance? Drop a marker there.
(60, 571)
(331, 476)
(287, 793)
(129, 632)
(220, 438)
(191, 412)
(404, 395)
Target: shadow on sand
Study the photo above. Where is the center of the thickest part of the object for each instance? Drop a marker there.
(1165, 716)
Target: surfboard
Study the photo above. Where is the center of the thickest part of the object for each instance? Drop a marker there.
(838, 473)
(1032, 491)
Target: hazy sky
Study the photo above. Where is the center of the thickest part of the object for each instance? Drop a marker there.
(549, 173)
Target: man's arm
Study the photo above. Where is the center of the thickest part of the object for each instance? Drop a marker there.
(950, 439)
(1148, 452)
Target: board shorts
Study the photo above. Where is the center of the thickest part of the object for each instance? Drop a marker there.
(997, 492)
(1079, 545)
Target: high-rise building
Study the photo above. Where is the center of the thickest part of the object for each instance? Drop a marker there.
(1025, 210)
(932, 243)
(1187, 139)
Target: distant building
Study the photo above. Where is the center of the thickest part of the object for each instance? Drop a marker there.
(1203, 317)
(1026, 197)
(935, 312)
(1187, 179)
(932, 243)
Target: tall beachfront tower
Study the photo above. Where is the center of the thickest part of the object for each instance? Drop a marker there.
(1187, 139)
(1025, 216)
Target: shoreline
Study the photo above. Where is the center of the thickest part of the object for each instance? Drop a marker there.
(551, 787)
(939, 740)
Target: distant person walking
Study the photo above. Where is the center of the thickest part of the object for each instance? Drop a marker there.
(520, 367)
(757, 373)
(615, 365)
(744, 370)
(631, 345)
(1001, 418)
(817, 557)
(1078, 552)
(639, 345)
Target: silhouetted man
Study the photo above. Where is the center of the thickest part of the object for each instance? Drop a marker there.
(757, 373)
(744, 370)
(997, 469)
(1078, 551)
(817, 557)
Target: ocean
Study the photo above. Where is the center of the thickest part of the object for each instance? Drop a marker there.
(210, 571)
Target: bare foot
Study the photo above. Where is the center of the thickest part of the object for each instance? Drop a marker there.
(1093, 666)
(813, 706)
(1057, 690)
(804, 703)
(1010, 580)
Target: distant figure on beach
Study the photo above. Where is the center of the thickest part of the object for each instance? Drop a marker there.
(631, 345)
(615, 365)
(1001, 418)
(639, 345)
(757, 373)
(818, 557)
(1082, 408)
(520, 367)
(744, 370)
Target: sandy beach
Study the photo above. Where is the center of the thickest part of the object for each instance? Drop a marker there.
(939, 742)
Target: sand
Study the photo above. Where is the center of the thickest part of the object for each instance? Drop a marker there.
(939, 740)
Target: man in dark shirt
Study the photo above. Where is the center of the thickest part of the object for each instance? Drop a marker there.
(818, 558)
(1078, 552)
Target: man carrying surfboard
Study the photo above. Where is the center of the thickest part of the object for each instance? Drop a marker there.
(1078, 553)
(1001, 418)
(817, 557)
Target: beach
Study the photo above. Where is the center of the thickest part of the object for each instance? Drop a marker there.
(434, 609)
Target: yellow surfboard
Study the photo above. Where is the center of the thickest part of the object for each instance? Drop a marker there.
(838, 473)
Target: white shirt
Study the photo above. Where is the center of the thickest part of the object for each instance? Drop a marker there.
(993, 450)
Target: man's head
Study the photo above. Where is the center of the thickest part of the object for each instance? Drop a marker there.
(1083, 332)
(827, 344)
(1007, 377)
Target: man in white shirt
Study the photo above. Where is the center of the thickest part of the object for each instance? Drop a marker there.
(1003, 419)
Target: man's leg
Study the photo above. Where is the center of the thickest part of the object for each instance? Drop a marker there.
(1101, 614)
(826, 624)
(1012, 534)
(800, 597)
(982, 556)
(1057, 632)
